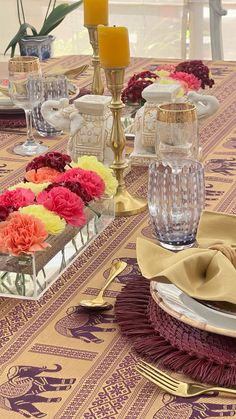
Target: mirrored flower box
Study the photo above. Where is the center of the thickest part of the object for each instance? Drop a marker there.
(29, 276)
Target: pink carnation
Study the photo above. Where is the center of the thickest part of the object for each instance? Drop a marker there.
(92, 184)
(189, 81)
(65, 203)
(17, 198)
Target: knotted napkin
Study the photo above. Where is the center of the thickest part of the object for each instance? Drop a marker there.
(207, 272)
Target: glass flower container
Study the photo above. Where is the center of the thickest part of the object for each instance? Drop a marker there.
(29, 276)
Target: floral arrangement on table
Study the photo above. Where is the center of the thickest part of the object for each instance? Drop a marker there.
(54, 193)
(191, 75)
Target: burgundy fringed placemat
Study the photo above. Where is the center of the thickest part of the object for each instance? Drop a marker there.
(203, 356)
(12, 121)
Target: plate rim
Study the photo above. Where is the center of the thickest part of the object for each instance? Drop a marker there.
(183, 318)
(214, 310)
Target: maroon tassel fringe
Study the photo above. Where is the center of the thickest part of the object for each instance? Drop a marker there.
(201, 355)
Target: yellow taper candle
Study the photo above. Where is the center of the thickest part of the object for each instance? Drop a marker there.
(95, 12)
(113, 42)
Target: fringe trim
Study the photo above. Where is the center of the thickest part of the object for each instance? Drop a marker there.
(132, 314)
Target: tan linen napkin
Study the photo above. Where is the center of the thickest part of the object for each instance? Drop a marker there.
(201, 272)
(60, 69)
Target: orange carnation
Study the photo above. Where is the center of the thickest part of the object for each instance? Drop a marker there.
(22, 233)
(44, 174)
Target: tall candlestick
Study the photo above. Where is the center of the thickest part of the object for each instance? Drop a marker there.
(95, 12)
(125, 203)
(114, 56)
(97, 84)
(113, 46)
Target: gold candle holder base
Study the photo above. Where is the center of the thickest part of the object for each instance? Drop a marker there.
(125, 203)
(97, 84)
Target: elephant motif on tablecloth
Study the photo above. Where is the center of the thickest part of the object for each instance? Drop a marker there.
(211, 194)
(225, 167)
(181, 408)
(84, 325)
(24, 386)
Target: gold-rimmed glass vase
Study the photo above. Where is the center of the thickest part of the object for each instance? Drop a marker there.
(20, 69)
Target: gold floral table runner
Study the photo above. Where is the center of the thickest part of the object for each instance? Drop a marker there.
(61, 362)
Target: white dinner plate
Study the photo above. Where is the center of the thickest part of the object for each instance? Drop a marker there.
(184, 308)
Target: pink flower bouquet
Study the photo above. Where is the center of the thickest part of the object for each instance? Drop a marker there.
(52, 195)
(191, 75)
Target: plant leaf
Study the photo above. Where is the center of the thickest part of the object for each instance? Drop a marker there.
(57, 15)
(21, 32)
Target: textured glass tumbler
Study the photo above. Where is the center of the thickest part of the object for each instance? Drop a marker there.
(176, 196)
(54, 87)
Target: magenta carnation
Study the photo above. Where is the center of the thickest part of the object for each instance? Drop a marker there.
(198, 69)
(189, 81)
(4, 212)
(136, 84)
(133, 93)
(143, 75)
(64, 203)
(73, 187)
(53, 159)
(17, 198)
(90, 182)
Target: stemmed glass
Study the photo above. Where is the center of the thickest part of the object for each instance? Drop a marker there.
(20, 69)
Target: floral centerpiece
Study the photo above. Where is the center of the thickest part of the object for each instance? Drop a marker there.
(45, 215)
(191, 75)
(54, 193)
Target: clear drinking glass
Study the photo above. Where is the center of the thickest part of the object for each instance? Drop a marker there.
(54, 87)
(177, 131)
(20, 68)
(176, 196)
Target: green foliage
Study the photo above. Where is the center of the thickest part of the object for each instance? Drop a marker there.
(51, 21)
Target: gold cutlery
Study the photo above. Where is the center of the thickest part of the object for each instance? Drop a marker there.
(116, 268)
(174, 386)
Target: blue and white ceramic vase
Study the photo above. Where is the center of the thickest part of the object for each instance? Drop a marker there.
(38, 46)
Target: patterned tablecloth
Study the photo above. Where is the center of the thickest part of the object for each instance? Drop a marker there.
(57, 362)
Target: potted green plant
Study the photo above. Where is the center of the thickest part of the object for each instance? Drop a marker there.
(39, 43)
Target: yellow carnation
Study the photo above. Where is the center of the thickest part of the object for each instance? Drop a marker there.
(35, 187)
(52, 222)
(162, 73)
(92, 163)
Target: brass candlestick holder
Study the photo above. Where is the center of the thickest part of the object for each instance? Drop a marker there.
(125, 204)
(97, 84)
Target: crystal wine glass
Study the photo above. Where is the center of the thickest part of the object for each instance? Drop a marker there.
(20, 69)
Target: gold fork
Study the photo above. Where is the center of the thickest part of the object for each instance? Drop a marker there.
(173, 386)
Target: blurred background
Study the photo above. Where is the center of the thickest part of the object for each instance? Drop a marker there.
(157, 28)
